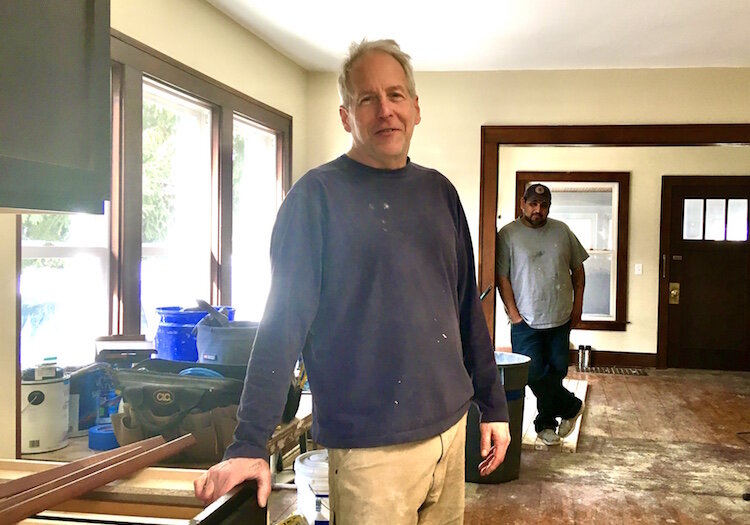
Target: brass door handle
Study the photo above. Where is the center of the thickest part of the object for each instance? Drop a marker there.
(674, 293)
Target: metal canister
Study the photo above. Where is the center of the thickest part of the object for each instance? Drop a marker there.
(587, 356)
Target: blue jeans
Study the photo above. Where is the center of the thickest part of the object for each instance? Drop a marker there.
(548, 350)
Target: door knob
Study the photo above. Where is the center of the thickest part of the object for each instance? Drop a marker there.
(674, 293)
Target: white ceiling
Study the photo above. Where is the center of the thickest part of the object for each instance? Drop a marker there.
(476, 35)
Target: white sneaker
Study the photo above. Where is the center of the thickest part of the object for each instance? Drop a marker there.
(567, 425)
(549, 437)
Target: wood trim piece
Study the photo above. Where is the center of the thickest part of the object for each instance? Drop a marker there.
(130, 194)
(621, 359)
(16, 486)
(492, 137)
(89, 482)
(221, 291)
(67, 478)
(19, 230)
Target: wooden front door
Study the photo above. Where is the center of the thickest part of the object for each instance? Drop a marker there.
(704, 299)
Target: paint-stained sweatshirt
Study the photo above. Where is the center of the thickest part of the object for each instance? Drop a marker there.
(373, 283)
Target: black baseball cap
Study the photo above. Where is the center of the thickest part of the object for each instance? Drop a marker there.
(537, 192)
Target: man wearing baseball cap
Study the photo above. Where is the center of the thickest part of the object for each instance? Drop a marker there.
(539, 272)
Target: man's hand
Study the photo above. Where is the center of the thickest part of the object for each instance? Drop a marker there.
(575, 317)
(224, 476)
(493, 443)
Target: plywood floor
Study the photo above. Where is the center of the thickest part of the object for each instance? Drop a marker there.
(530, 440)
(656, 449)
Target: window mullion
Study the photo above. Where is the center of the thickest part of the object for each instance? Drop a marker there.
(221, 266)
(128, 292)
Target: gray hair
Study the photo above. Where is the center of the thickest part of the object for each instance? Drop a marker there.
(358, 50)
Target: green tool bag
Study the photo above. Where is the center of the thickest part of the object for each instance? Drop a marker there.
(159, 400)
(168, 404)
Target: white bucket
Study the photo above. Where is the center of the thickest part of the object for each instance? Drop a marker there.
(311, 478)
(44, 414)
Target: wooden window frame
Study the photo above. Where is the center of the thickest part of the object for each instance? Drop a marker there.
(131, 61)
(622, 179)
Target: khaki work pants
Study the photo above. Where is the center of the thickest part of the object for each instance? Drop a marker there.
(408, 484)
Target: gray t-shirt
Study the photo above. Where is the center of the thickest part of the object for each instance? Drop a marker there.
(538, 262)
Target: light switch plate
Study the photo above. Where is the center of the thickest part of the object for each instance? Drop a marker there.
(638, 269)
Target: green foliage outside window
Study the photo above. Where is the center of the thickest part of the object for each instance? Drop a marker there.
(44, 227)
(158, 154)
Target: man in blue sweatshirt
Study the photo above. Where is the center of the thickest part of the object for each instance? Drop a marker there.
(373, 283)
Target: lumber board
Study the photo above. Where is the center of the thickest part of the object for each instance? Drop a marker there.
(22, 486)
(530, 441)
(83, 484)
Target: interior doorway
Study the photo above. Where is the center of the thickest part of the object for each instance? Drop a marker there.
(492, 137)
(704, 282)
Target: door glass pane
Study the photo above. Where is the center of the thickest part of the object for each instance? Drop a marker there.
(176, 210)
(715, 219)
(597, 295)
(64, 287)
(255, 201)
(737, 220)
(692, 219)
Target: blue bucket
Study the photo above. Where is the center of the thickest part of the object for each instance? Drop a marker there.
(174, 339)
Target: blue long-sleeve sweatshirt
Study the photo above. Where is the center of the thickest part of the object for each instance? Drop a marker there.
(373, 282)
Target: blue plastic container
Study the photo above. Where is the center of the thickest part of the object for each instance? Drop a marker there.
(174, 339)
(84, 394)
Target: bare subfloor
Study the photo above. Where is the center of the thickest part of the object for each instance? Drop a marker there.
(664, 448)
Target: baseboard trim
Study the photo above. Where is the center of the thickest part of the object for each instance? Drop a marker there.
(604, 358)
(623, 359)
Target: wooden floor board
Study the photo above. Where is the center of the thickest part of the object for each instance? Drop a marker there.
(689, 422)
(623, 410)
(597, 411)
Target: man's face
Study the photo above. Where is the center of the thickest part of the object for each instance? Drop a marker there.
(382, 115)
(535, 211)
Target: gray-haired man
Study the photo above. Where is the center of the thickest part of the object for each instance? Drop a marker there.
(373, 282)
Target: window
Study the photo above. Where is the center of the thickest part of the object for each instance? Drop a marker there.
(64, 287)
(714, 219)
(256, 197)
(594, 206)
(176, 202)
(199, 172)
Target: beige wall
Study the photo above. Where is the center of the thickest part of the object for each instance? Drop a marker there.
(8, 352)
(455, 106)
